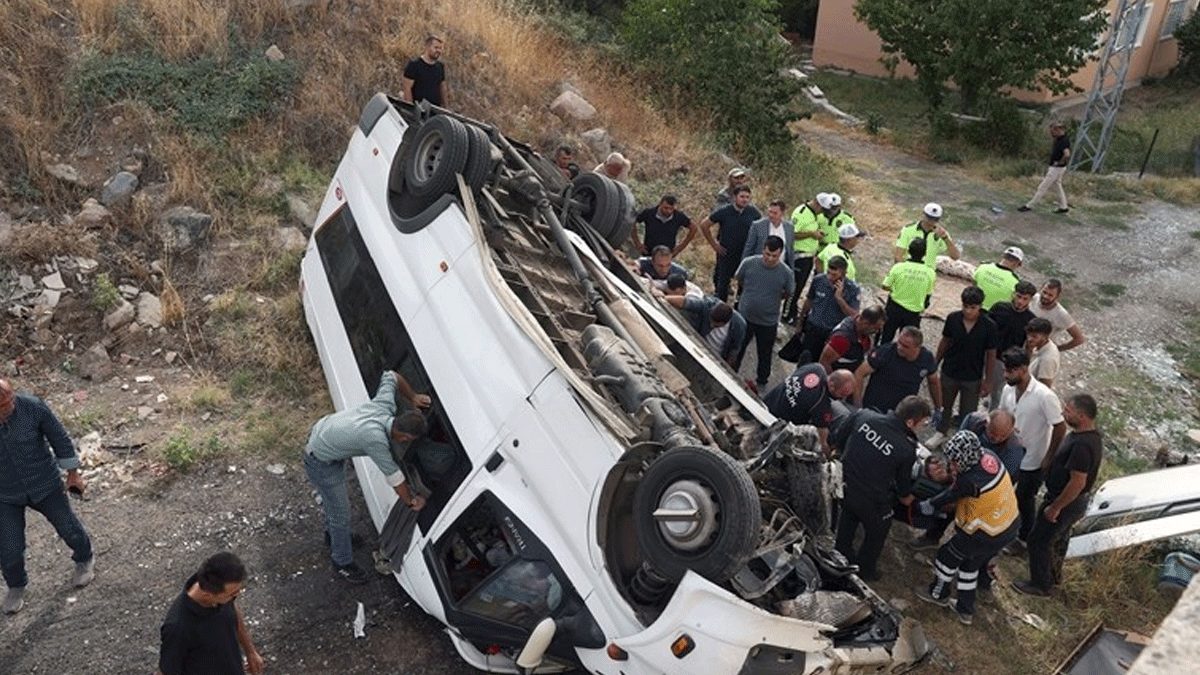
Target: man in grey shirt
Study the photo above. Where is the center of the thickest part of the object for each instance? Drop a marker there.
(355, 432)
(763, 284)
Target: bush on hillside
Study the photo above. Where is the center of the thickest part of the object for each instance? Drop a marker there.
(1003, 131)
(1188, 37)
(725, 56)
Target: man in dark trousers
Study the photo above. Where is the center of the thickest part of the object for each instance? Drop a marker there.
(1060, 157)
(878, 451)
(733, 221)
(30, 478)
(831, 298)
(985, 521)
(967, 354)
(425, 76)
(764, 282)
(1070, 475)
(204, 632)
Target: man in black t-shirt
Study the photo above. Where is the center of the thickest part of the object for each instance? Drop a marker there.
(1010, 318)
(1070, 475)
(1060, 156)
(662, 224)
(804, 397)
(896, 370)
(967, 354)
(204, 628)
(425, 76)
(733, 221)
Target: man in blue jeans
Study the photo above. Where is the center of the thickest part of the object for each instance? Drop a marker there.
(355, 432)
(30, 478)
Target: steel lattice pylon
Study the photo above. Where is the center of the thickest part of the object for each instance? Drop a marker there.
(1095, 131)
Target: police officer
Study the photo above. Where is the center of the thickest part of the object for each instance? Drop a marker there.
(878, 451)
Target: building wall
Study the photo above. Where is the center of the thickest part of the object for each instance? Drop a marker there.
(843, 42)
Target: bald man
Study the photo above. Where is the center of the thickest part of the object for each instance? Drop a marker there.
(31, 478)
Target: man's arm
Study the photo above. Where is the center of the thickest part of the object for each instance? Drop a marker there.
(1076, 338)
(935, 389)
(898, 254)
(951, 247)
(706, 230)
(254, 662)
(828, 356)
(443, 94)
(1073, 489)
(989, 362)
(943, 346)
(406, 86)
(860, 378)
(687, 239)
(418, 400)
(848, 307)
(1056, 435)
(637, 241)
(413, 501)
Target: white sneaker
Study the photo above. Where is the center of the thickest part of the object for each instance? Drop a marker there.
(14, 601)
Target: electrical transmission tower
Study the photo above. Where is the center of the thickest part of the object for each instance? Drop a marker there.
(1095, 132)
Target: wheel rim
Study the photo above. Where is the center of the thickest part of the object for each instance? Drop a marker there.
(428, 156)
(687, 515)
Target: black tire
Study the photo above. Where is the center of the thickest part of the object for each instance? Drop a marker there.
(620, 234)
(725, 500)
(479, 158)
(439, 151)
(808, 495)
(602, 202)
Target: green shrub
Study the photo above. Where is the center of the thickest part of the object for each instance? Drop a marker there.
(1003, 131)
(207, 95)
(181, 453)
(1188, 37)
(727, 57)
(104, 293)
(874, 123)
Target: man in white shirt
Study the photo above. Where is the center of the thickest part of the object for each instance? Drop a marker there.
(1040, 424)
(1045, 306)
(1043, 353)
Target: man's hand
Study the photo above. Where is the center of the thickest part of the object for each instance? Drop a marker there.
(254, 663)
(837, 288)
(422, 400)
(1050, 513)
(719, 249)
(75, 482)
(941, 232)
(417, 503)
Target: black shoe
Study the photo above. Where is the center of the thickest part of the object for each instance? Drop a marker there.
(355, 540)
(1023, 209)
(923, 593)
(1028, 588)
(1061, 210)
(351, 573)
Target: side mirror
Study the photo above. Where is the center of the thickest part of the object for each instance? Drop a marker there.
(536, 646)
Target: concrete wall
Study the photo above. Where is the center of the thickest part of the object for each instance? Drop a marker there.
(843, 42)
(1174, 648)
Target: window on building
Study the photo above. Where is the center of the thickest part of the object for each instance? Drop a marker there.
(1177, 13)
(1133, 28)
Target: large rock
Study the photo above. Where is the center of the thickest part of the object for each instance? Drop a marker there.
(118, 189)
(6, 228)
(182, 228)
(572, 106)
(123, 314)
(94, 364)
(274, 53)
(598, 140)
(301, 211)
(93, 215)
(149, 310)
(290, 239)
(66, 173)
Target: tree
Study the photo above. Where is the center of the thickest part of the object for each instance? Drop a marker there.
(986, 46)
(725, 56)
(1188, 36)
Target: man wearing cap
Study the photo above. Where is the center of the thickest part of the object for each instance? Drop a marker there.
(733, 222)
(909, 285)
(832, 216)
(985, 521)
(663, 223)
(736, 178)
(937, 239)
(1060, 156)
(808, 236)
(848, 238)
(999, 279)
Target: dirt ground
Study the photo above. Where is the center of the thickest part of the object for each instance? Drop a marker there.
(1130, 274)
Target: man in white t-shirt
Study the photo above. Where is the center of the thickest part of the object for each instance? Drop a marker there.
(1045, 306)
(1043, 353)
(1040, 424)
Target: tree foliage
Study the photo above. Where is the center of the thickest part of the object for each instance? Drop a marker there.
(1188, 36)
(725, 56)
(986, 46)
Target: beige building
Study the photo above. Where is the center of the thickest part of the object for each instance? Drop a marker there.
(843, 42)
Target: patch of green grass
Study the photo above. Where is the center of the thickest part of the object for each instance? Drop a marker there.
(1049, 266)
(1111, 290)
(208, 399)
(182, 451)
(1185, 348)
(968, 223)
(977, 252)
(1110, 223)
(206, 95)
(104, 293)
(1194, 234)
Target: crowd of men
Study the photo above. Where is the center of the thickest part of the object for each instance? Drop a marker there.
(866, 380)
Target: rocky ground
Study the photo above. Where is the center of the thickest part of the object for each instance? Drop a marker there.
(1130, 272)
